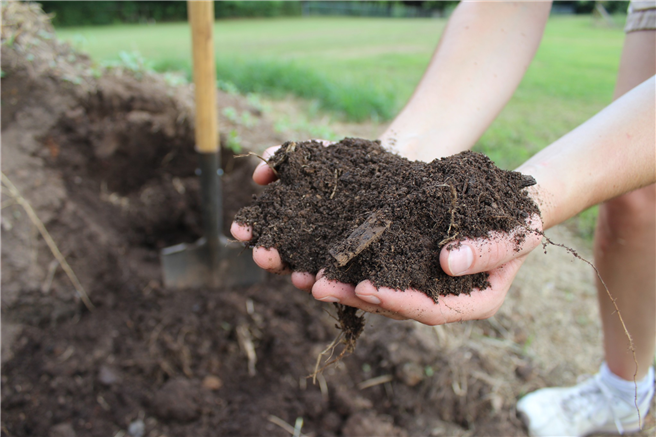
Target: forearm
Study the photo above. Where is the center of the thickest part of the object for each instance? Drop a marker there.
(609, 155)
(479, 62)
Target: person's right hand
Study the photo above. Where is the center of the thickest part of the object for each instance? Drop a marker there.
(269, 259)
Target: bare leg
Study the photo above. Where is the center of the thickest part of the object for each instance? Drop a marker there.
(625, 243)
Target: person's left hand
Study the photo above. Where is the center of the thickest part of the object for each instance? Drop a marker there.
(499, 256)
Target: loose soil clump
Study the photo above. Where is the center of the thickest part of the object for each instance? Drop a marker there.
(361, 212)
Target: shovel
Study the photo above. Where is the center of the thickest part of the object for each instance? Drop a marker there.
(213, 260)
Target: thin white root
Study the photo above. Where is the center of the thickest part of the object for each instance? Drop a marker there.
(49, 241)
(375, 381)
(293, 430)
(330, 349)
(323, 386)
(246, 343)
(619, 316)
(297, 427)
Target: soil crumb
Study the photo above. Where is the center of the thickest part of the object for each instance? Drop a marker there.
(362, 212)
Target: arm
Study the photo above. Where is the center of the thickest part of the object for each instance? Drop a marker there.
(609, 155)
(479, 62)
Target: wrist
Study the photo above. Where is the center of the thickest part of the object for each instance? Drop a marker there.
(420, 143)
(544, 193)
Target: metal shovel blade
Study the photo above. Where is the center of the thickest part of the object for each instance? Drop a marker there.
(195, 266)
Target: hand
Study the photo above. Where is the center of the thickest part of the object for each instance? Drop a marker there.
(269, 259)
(497, 255)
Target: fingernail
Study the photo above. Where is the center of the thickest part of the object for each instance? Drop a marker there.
(370, 299)
(460, 260)
(329, 299)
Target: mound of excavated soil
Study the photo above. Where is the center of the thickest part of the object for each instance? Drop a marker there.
(362, 213)
(108, 165)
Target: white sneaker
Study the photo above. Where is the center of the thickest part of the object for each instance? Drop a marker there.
(587, 408)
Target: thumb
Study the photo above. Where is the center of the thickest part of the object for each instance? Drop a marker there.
(482, 255)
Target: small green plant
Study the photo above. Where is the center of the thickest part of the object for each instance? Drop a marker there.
(175, 79)
(230, 113)
(256, 102)
(9, 42)
(357, 100)
(234, 142)
(245, 119)
(226, 86)
(133, 62)
(302, 124)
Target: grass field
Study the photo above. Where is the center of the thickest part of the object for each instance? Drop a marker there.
(364, 68)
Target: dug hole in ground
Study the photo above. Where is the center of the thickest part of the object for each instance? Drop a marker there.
(105, 158)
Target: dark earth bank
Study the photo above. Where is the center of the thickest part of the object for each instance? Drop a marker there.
(105, 158)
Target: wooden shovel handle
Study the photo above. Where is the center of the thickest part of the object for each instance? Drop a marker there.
(201, 19)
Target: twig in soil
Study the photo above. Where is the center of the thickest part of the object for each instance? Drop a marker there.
(13, 191)
(287, 427)
(375, 381)
(7, 203)
(246, 343)
(454, 200)
(66, 354)
(47, 283)
(335, 188)
(362, 237)
(103, 403)
(244, 155)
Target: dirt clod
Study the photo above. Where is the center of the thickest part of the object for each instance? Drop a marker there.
(177, 400)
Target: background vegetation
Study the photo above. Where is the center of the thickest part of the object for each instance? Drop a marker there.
(82, 13)
(366, 68)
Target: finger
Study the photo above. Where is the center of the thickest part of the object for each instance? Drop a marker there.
(338, 292)
(264, 174)
(484, 254)
(324, 143)
(303, 280)
(269, 259)
(418, 306)
(241, 232)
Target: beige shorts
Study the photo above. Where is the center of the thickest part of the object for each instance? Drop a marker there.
(641, 16)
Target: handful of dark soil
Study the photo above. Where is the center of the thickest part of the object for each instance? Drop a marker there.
(361, 212)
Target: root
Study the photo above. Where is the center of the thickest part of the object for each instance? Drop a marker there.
(617, 310)
(13, 192)
(351, 326)
(295, 430)
(331, 350)
(244, 155)
(454, 200)
(246, 344)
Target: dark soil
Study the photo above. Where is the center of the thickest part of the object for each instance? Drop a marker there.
(362, 213)
(108, 166)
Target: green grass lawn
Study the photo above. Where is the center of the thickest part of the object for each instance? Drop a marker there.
(365, 68)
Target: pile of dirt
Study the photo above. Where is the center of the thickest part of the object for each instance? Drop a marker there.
(106, 160)
(362, 212)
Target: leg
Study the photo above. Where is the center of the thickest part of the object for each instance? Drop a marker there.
(625, 256)
(624, 242)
